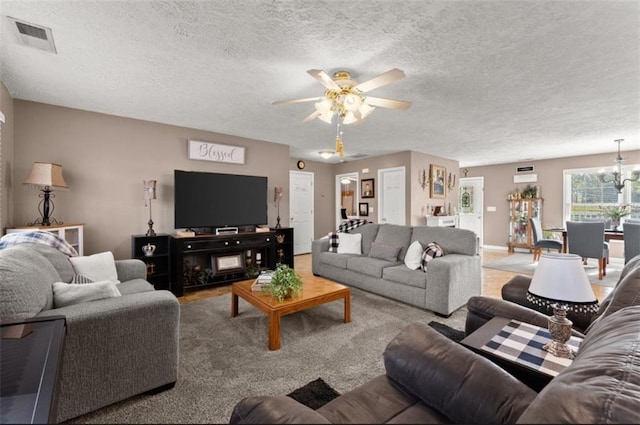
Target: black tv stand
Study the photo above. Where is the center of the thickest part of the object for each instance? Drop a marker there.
(210, 260)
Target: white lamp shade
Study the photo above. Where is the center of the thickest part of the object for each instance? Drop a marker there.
(352, 102)
(149, 189)
(561, 277)
(45, 174)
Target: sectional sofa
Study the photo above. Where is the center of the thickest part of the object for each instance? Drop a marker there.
(446, 285)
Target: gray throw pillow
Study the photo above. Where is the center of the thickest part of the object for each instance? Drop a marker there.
(384, 251)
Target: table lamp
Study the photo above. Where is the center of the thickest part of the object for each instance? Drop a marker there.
(46, 176)
(561, 282)
(149, 187)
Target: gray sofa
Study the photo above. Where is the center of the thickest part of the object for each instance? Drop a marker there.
(446, 285)
(115, 348)
(431, 379)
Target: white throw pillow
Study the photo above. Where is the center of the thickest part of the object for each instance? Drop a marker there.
(413, 257)
(350, 243)
(97, 267)
(65, 294)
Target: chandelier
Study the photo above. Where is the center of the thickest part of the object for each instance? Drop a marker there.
(616, 174)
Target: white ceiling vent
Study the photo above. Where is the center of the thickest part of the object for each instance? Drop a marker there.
(33, 35)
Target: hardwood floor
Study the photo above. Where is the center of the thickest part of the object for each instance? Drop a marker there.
(492, 280)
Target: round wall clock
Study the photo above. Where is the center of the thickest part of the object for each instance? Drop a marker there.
(301, 165)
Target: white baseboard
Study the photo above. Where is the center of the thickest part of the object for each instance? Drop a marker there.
(495, 248)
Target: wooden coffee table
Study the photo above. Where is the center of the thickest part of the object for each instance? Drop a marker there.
(313, 294)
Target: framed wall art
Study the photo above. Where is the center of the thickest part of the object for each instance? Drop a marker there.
(363, 209)
(438, 186)
(367, 188)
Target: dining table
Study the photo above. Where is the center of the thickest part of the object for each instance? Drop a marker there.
(609, 234)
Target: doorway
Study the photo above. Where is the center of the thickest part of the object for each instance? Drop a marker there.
(347, 195)
(392, 200)
(301, 210)
(471, 205)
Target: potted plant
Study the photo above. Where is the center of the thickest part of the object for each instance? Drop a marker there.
(615, 213)
(285, 282)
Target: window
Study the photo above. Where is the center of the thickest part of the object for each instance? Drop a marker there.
(585, 195)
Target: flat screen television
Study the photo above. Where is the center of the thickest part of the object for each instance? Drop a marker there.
(219, 200)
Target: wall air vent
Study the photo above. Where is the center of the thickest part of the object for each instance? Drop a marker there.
(31, 35)
(525, 169)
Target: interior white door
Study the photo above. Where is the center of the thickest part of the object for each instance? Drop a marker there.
(471, 205)
(392, 199)
(301, 210)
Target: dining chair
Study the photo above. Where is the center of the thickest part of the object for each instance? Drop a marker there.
(540, 243)
(631, 240)
(586, 239)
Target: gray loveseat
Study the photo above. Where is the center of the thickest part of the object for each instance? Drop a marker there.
(115, 348)
(446, 285)
(430, 379)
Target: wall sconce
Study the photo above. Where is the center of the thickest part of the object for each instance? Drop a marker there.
(149, 187)
(451, 181)
(46, 176)
(422, 179)
(277, 196)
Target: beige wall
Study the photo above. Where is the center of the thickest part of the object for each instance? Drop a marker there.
(105, 159)
(6, 158)
(498, 182)
(421, 202)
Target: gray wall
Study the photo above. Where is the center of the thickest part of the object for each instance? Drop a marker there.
(498, 182)
(6, 157)
(105, 159)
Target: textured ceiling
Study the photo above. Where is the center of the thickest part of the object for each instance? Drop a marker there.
(490, 81)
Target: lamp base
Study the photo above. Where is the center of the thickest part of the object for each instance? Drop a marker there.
(277, 226)
(150, 232)
(559, 349)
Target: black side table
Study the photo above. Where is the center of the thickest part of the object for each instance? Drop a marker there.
(29, 369)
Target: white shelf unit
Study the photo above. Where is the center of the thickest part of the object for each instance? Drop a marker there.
(72, 233)
(443, 220)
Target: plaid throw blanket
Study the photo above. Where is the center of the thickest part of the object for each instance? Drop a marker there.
(351, 224)
(40, 237)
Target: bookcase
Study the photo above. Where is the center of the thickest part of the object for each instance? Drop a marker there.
(157, 260)
(520, 211)
(284, 245)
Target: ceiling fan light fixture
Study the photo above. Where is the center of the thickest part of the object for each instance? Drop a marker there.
(352, 102)
(326, 154)
(349, 118)
(365, 110)
(326, 117)
(324, 106)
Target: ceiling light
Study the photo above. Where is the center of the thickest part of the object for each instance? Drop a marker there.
(352, 102)
(326, 154)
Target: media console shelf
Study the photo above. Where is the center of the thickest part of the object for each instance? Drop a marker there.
(208, 260)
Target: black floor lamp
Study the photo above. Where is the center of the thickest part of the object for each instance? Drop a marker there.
(46, 176)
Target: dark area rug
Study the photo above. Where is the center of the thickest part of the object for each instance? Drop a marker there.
(449, 332)
(315, 394)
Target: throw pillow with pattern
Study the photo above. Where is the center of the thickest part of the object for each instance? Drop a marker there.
(79, 278)
(333, 242)
(433, 250)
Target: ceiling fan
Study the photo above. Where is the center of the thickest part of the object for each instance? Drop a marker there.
(344, 97)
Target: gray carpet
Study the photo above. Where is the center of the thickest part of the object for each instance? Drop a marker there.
(523, 264)
(224, 359)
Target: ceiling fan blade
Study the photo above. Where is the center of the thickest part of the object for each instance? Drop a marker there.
(312, 116)
(388, 77)
(307, 99)
(387, 103)
(324, 79)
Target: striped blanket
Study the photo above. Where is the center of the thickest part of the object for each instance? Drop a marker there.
(39, 237)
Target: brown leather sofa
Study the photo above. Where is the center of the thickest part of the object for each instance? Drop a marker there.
(430, 379)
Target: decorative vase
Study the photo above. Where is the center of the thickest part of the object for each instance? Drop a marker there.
(148, 249)
(615, 223)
